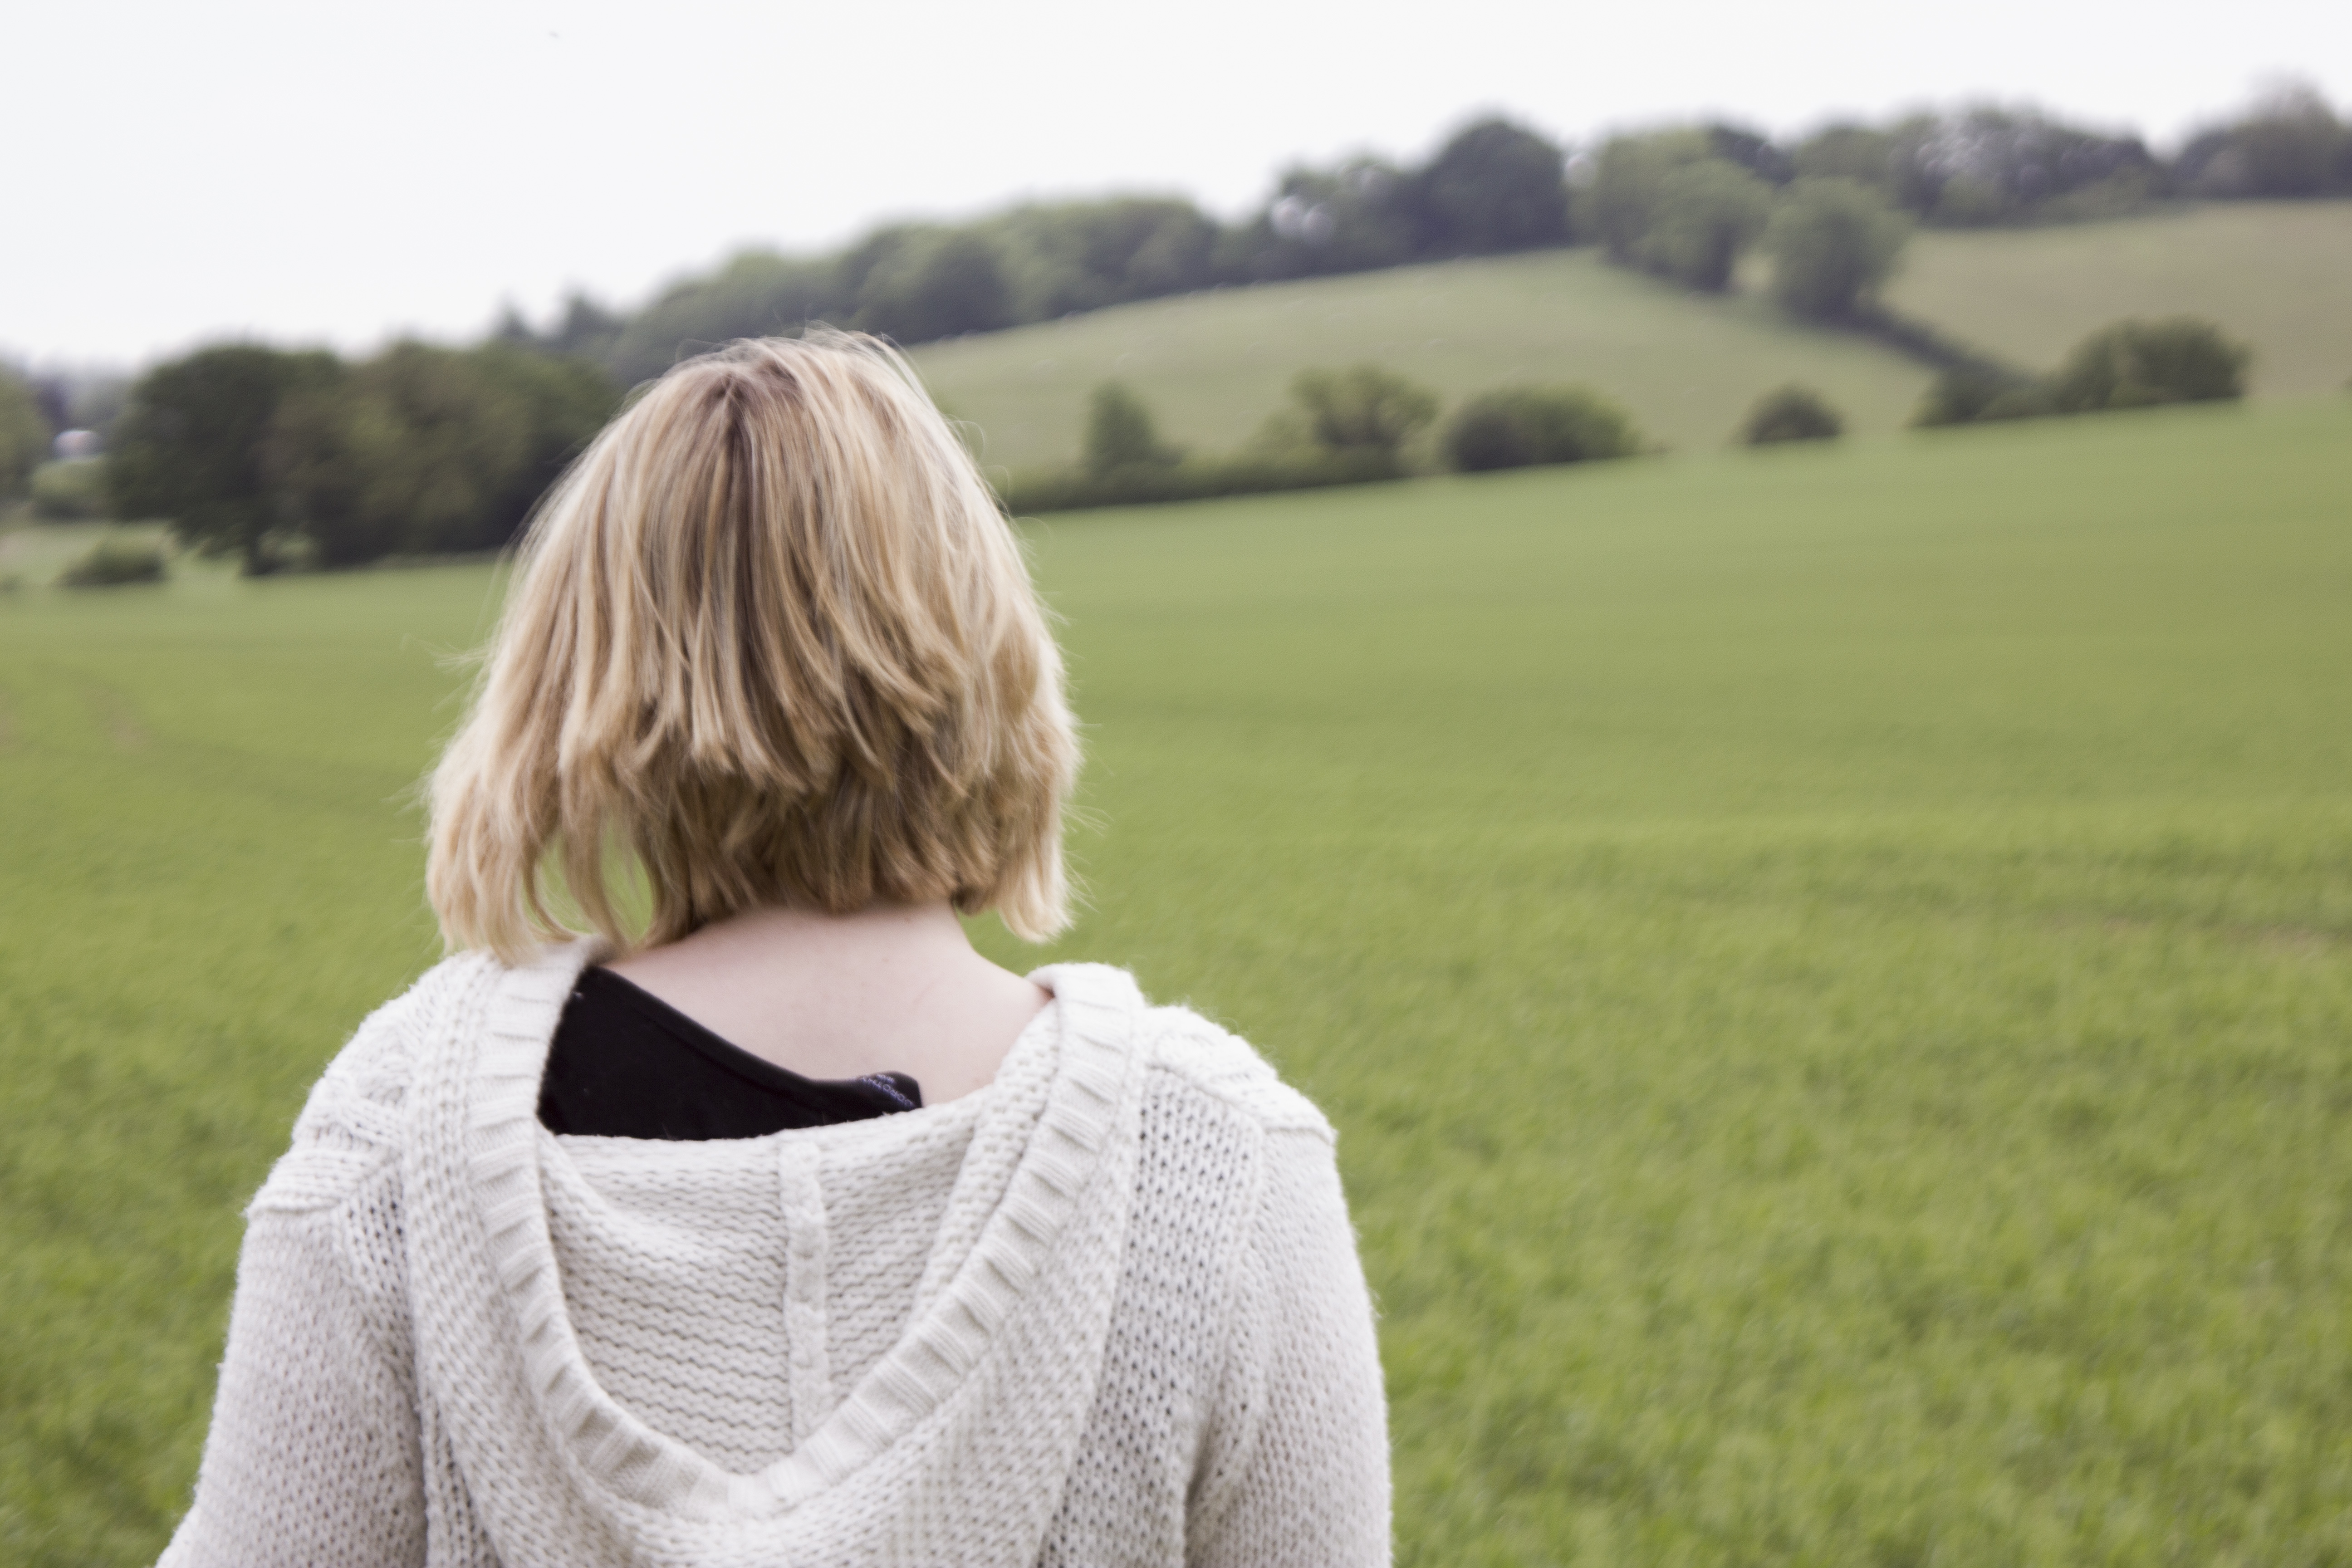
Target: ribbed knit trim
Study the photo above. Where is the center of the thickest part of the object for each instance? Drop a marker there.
(484, 1067)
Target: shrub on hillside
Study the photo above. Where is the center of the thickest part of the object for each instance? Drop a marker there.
(1832, 242)
(1191, 479)
(1792, 413)
(1967, 395)
(1362, 411)
(1348, 426)
(2137, 364)
(70, 489)
(2131, 365)
(113, 563)
(1521, 426)
(1121, 433)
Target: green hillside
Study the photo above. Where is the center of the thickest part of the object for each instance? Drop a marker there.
(2277, 274)
(1215, 364)
(1831, 967)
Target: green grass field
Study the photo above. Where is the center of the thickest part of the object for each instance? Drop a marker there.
(2277, 274)
(1834, 970)
(1213, 365)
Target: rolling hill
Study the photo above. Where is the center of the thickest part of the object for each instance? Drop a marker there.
(2277, 274)
(1214, 364)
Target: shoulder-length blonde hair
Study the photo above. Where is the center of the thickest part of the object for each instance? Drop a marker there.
(770, 638)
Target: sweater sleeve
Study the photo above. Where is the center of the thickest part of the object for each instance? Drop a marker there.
(1297, 1462)
(313, 1452)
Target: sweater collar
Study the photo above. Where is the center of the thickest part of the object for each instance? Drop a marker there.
(1041, 1193)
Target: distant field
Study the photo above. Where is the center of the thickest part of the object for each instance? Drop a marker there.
(1213, 365)
(2277, 274)
(1833, 970)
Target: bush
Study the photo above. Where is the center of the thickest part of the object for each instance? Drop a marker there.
(1965, 395)
(1517, 427)
(71, 489)
(113, 563)
(1363, 409)
(23, 434)
(2136, 363)
(1832, 242)
(1192, 478)
(1792, 413)
(1120, 432)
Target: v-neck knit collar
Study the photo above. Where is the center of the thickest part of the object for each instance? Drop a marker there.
(573, 1469)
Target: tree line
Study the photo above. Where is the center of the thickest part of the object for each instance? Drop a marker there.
(282, 458)
(1685, 202)
(1360, 425)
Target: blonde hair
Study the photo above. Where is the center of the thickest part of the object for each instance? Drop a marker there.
(770, 638)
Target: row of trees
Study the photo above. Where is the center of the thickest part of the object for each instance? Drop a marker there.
(2129, 364)
(1684, 203)
(282, 458)
(1494, 186)
(1354, 425)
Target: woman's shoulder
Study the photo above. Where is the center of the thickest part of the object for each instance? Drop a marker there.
(352, 1125)
(1185, 1050)
(1209, 1060)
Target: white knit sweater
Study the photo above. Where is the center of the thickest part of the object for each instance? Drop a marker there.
(1107, 1311)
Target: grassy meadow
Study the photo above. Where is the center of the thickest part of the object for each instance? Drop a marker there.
(2277, 275)
(1213, 366)
(1833, 968)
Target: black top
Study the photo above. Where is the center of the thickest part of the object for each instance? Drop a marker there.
(625, 1064)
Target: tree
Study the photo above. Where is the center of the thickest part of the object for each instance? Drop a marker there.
(1120, 432)
(1850, 152)
(2136, 363)
(428, 449)
(756, 294)
(1832, 242)
(1706, 214)
(1751, 151)
(1521, 426)
(1363, 410)
(937, 284)
(24, 434)
(192, 447)
(1790, 413)
(1629, 186)
(1081, 256)
(1349, 219)
(2289, 144)
(1494, 186)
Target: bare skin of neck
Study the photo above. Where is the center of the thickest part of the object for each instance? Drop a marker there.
(890, 988)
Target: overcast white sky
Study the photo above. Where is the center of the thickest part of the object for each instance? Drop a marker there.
(338, 171)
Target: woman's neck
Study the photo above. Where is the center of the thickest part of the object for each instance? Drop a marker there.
(891, 987)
